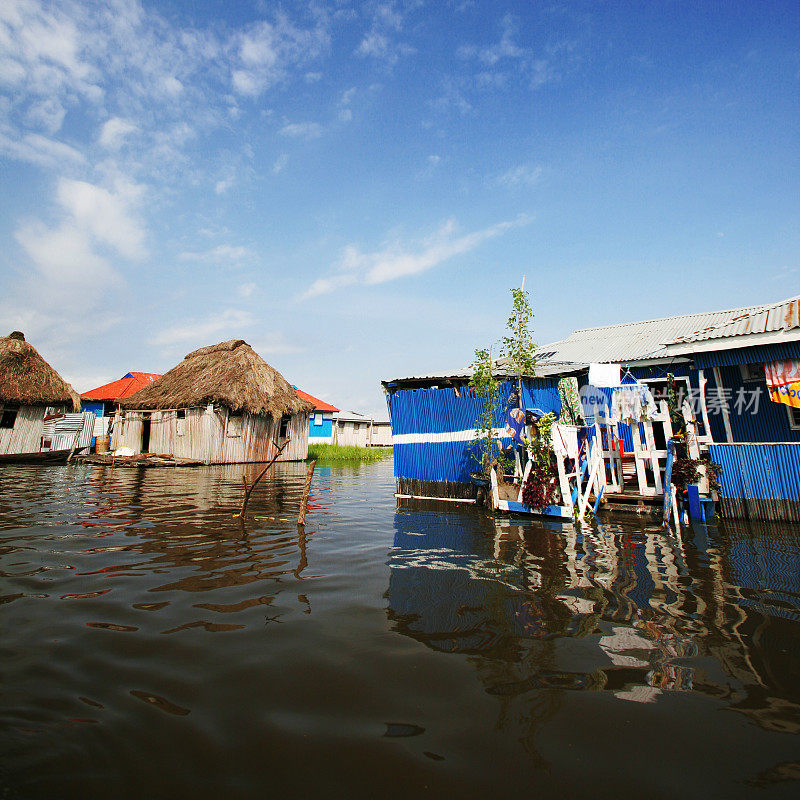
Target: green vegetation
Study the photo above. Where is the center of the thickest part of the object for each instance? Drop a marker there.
(340, 454)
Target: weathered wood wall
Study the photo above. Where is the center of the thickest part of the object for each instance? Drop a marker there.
(345, 433)
(213, 436)
(26, 435)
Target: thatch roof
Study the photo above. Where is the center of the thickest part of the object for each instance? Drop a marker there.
(26, 378)
(230, 373)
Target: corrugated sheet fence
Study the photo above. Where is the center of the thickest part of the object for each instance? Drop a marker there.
(760, 481)
(432, 428)
(61, 432)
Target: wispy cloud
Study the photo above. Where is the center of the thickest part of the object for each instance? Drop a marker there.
(397, 259)
(205, 330)
(301, 130)
(114, 132)
(280, 163)
(380, 41)
(221, 254)
(522, 175)
(266, 50)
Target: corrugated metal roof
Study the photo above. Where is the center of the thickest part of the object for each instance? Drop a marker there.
(640, 341)
(319, 405)
(544, 369)
(124, 387)
(782, 316)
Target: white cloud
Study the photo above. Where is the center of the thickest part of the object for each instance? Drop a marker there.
(345, 115)
(301, 130)
(107, 215)
(40, 150)
(63, 254)
(523, 175)
(266, 51)
(114, 132)
(398, 259)
(280, 163)
(246, 289)
(222, 186)
(47, 114)
(204, 331)
(224, 253)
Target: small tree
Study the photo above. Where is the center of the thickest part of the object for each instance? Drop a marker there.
(486, 388)
(518, 347)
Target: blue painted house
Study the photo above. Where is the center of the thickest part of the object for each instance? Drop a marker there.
(320, 423)
(433, 421)
(721, 360)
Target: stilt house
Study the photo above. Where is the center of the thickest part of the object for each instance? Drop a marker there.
(433, 420)
(739, 372)
(28, 387)
(222, 404)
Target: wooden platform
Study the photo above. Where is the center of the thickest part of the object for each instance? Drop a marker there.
(138, 460)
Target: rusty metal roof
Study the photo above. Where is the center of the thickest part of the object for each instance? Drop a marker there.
(669, 336)
(782, 316)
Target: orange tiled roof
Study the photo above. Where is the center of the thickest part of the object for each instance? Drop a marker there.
(124, 387)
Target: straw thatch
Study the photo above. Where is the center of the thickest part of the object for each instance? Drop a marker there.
(26, 378)
(230, 373)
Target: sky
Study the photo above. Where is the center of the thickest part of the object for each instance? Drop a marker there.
(354, 187)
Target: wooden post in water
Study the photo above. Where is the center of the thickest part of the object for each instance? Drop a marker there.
(301, 520)
(247, 491)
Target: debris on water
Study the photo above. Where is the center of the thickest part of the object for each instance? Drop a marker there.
(396, 730)
(432, 756)
(160, 703)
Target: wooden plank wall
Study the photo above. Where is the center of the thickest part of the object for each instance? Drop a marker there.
(26, 435)
(205, 436)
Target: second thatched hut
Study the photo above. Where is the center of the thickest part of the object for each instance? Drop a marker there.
(222, 404)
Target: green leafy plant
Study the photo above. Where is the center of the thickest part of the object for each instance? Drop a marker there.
(518, 347)
(487, 389)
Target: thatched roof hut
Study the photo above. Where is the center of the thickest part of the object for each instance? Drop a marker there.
(230, 373)
(27, 379)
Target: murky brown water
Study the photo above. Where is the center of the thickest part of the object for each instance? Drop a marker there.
(150, 649)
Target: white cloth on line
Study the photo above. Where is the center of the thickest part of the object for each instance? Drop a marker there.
(565, 440)
(603, 375)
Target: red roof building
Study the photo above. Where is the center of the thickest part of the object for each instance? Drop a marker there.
(319, 405)
(124, 387)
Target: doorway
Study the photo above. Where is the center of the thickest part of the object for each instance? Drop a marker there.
(145, 433)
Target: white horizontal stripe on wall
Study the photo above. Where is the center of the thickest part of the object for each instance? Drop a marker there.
(444, 436)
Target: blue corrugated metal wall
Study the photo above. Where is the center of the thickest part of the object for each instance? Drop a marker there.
(425, 411)
(765, 476)
(747, 355)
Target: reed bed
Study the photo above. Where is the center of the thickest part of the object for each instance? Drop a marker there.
(336, 453)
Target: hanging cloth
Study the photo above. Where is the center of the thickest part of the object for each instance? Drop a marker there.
(570, 404)
(604, 375)
(632, 404)
(783, 381)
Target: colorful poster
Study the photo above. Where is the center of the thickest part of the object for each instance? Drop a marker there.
(783, 381)
(515, 421)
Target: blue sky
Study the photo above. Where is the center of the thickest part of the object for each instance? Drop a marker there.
(353, 187)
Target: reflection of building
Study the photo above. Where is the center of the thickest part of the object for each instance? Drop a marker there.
(635, 614)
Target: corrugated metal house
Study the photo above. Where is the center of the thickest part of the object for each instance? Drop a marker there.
(28, 386)
(433, 420)
(222, 404)
(320, 424)
(719, 356)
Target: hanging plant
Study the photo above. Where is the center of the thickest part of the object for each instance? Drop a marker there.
(541, 488)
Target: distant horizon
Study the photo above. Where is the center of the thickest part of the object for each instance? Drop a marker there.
(354, 187)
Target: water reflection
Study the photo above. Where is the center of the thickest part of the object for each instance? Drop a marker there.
(636, 613)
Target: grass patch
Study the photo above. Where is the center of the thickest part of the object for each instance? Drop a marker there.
(335, 453)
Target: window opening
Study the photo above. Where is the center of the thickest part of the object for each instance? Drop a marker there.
(9, 415)
(284, 428)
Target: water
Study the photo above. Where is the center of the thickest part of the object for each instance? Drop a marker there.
(149, 648)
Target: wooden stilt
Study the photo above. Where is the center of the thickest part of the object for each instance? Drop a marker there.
(301, 520)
